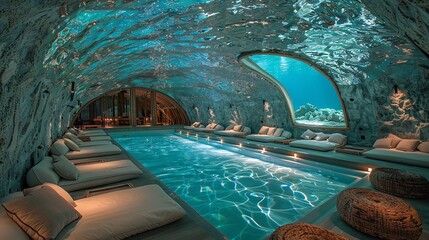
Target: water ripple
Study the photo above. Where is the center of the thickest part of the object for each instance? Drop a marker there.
(242, 196)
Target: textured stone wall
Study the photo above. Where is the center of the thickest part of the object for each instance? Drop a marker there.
(31, 106)
(189, 53)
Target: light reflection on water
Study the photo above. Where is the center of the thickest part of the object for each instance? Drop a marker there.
(243, 197)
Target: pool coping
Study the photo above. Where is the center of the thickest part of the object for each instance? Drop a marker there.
(325, 214)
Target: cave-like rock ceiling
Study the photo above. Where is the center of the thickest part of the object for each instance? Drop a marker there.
(175, 46)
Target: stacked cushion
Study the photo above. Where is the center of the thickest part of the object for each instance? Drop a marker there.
(71, 144)
(46, 220)
(263, 130)
(278, 132)
(424, 147)
(338, 138)
(65, 168)
(408, 145)
(308, 135)
(59, 148)
(395, 139)
(383, 143)
(56, 188)
(237, 128)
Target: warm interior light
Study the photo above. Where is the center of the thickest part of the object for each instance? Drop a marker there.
(295, 155)
(369, 169)
(240, 145)
(263, 150)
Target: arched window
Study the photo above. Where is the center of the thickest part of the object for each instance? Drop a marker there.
(131, 107)
(312, 97)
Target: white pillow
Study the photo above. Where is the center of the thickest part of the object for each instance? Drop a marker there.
(408, 145)
(73, 138)
(72, 145)
(383, 143)
(65, 168)
(59, 148)
(338, 138)
(263, 130)
(308, 135)
(42, 172)
(271, 131)
(56, 188)
(278, 132)
(286, 134)
(321, 136)
(395, 140)
(237, 128)
(42, 214)
(74, 131)
(424, 147)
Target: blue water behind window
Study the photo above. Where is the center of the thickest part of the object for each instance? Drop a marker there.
(304, 83)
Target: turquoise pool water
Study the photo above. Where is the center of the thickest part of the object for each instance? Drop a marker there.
(240, 194)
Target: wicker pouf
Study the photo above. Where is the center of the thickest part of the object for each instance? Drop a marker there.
(379, 214)
(304, 231)
(400, 183)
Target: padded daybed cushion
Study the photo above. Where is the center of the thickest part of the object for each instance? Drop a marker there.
(90, 175)
(263, 138)
(323, 146)
(416, 158)
(94, 151)
(100, 138)
(60, 148)
(209, 129)
(230, 133)
(94, 143)
(93, 133)
(114, 215)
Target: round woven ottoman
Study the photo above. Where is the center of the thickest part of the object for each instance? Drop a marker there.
(400, 183)
(379, 214)
(304, 231)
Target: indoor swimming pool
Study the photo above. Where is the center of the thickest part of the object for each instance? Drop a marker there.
(244, 193)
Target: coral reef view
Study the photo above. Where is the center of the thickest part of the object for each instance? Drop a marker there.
(310, 114)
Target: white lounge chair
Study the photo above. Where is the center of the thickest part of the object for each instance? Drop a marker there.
(194, 126)
(89, 175)
(81, 143)
(91, 138)
(405, 151)
(211, 128)
(234, 131)
(269, 134)
(59, 148)
(114, 215)
(320, 141)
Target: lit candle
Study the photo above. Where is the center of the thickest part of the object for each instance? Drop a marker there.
(295, 155)
(369, 169)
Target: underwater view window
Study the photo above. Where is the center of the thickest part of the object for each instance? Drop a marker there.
(312, 97)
